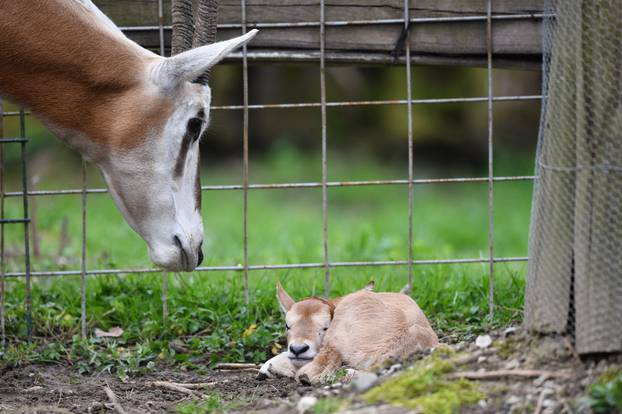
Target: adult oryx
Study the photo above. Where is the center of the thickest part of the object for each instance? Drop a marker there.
(136, 115)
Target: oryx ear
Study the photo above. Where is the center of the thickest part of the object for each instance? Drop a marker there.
(188, 66)
(285, 301)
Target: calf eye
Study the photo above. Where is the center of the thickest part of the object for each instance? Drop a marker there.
(286, 327)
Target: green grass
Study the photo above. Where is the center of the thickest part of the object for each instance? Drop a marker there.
(207, 310)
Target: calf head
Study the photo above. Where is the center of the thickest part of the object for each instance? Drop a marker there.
(306, 322)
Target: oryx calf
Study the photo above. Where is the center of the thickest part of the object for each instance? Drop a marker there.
(360, 330)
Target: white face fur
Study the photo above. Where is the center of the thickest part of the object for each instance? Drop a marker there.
(306, 323)
(157, 185)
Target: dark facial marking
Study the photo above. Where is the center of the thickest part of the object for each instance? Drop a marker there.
(197, 186)
(193, 131)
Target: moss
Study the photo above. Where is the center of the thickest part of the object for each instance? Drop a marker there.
(609, 375)
(425, 387)
(444, 351)
(329, 405)
(506, 348)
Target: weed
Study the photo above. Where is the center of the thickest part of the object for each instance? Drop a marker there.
(604, 396)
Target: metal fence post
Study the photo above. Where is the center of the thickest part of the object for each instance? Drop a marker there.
(22, 133)
(2, 269)
(491, 212)
(324, 148)
(245, 171)
(410, 142)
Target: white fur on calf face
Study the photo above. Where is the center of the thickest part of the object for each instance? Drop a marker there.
(306, 322)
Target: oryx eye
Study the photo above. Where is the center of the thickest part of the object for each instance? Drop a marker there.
(194, 128)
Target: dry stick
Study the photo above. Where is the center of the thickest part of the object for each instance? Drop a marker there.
(467, 359)
(194, 386)
(255, 370)
(175, 387)
(572, 349)
(521, 373)
(235, 366)
(543, 394)
(113, 399)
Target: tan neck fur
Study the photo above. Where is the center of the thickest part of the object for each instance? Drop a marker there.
(57, 59)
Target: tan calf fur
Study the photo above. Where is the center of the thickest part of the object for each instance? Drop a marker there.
(366, 329)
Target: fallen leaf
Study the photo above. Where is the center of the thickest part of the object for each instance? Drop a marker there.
(249, 331)
(110, 333)
(483, 341)
(276, 348)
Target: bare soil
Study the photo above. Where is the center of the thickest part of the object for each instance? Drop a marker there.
(58, 388)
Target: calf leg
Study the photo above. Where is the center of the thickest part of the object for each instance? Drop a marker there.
(323, 366)
(278, 366)
(423, 336)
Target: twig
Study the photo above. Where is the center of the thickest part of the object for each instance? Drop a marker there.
(520, 373)
(235, 366)
(175, 387)
(572, 349)
(468, 358)
(190, 386)
(113, 399)
(255, 370)
(45, 409)
(543, 394)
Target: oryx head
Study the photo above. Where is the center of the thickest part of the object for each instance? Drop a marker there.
(138, 116)
(156, 182)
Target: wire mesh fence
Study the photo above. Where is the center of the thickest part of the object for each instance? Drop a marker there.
(576, 235)
(326, 264)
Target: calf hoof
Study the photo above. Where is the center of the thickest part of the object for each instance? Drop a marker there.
(304, 379)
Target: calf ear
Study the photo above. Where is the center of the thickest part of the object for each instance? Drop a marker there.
(285, 301)
(188, 66)
(370, 286)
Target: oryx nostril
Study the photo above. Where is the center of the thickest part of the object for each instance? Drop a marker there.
(200, 257)
(298, 349)
(184, 255)
(177, 242)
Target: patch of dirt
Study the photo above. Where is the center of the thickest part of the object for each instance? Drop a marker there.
(46, 388)
(56, 388)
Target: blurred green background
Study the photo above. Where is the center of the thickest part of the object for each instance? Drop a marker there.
(285, 226)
